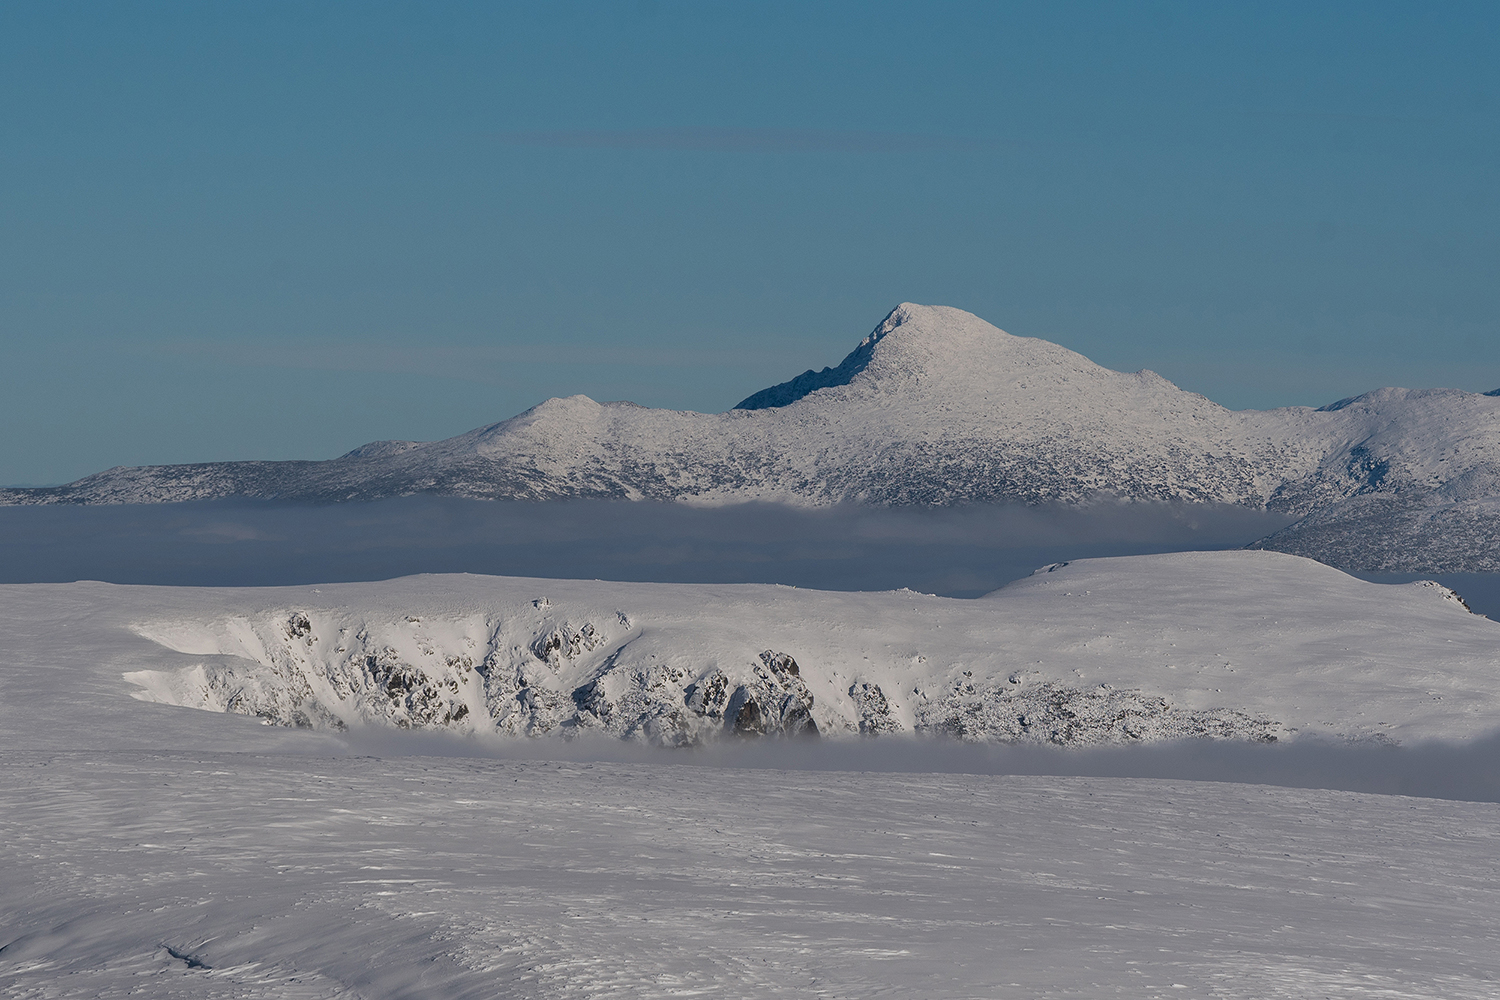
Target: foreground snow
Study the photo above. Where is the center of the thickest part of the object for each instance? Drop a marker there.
(150, 850)
(233, 875)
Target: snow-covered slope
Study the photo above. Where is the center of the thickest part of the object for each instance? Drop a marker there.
(174, 875)
(1239, 645)
(937, 406)
(150, 850)
(254, 876)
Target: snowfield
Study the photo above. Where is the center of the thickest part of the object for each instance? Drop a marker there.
(150, 849)
(250, 875)
(938, 407)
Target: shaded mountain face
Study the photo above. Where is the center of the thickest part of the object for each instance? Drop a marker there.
(938, 407)
(810, 381)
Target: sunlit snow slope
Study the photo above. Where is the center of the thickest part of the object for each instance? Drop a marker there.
(937, 406)
(1236, 645)
(150, 850)
(172, 874)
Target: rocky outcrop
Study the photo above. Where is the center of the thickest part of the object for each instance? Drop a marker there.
(774, 701)
(312, 672)
(309, 672)
(1047, 712)
(874, 710)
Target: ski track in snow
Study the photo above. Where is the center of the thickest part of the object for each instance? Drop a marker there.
(234, 875)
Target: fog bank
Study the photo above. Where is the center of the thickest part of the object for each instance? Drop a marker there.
(955, 551)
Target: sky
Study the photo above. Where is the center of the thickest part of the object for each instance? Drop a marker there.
(282, 230)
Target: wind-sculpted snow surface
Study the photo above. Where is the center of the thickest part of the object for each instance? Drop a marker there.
(175, 874)
(937, 406)
(1232, 645)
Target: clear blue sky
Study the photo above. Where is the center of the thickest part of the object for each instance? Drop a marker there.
(281, 230)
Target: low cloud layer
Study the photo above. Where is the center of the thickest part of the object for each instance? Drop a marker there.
(953, 551)
(958, 551)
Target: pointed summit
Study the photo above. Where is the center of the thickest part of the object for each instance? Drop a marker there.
(958, 362)
(935, 406)
(928, 339)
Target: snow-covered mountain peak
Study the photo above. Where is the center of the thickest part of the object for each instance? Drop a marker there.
(935, 406)
(960, 362)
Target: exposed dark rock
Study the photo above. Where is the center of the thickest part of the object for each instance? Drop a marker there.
(1048, 712)
(874, 710)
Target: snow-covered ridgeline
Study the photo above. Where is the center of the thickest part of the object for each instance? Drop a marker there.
(939, 407)
(1241, 645)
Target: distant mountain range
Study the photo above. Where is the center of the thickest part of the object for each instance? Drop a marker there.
(938, 407)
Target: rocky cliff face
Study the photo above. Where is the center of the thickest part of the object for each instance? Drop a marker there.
(938, 407)
(1224, 645)
(529, 676)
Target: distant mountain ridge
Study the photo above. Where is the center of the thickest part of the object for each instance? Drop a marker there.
(938, 407)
